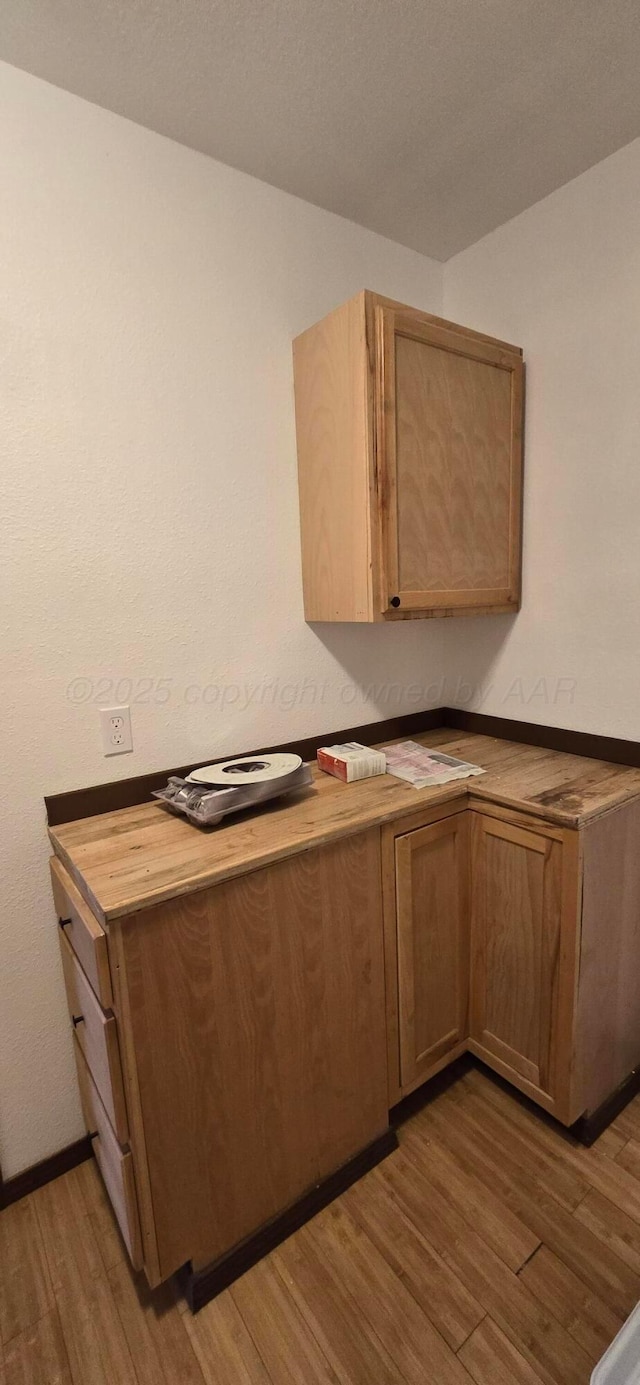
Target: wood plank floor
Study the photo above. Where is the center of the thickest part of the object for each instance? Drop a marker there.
(489, 1248)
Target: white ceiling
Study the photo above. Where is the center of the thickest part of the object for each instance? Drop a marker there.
(430, 121)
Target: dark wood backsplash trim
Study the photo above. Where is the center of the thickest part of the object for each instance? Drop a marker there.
(24, 1183)
(593, 747)
(126, 793)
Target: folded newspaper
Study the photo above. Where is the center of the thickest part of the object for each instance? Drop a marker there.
(422, 767)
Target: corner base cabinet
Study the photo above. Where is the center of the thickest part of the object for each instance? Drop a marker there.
(518, 941)
(240, 1042)
(409, 434)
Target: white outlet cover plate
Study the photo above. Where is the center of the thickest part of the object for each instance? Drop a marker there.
(115, 724)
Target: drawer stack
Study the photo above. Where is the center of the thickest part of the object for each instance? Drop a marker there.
(85, 961)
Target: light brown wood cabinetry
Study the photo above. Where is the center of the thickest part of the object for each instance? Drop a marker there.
(87, 975)
(97, 1036)
(524, 914)
(608, 1003)
(546, 992)
(482, 952)
(115, 1164)
(410, 465)
(432, 901)
(83, 932)
(276, 987)
(255, 1032)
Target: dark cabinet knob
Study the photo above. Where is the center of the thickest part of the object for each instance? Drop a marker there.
(394, 601)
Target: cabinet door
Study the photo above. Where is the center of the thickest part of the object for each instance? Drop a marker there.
(449, 460)
(522, 976)
(433, 949)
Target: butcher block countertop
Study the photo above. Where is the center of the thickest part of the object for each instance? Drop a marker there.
(136, 857)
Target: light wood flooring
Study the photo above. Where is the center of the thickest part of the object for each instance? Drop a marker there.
(488, 1248)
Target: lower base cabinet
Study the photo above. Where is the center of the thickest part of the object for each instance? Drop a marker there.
(238, 1045)
(518, 941)
(253, 1021)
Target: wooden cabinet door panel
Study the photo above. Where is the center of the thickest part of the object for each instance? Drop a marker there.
(432, 920)
(256, 1016)
(449, 464)
(515, 947)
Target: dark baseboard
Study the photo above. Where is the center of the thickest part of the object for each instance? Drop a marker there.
(127, 793)
(585, 1129)
(44, 1172)
(588, 1128)
(201, 1286)
(432, 1088)
(593, 747)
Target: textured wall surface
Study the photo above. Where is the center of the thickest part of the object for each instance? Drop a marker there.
(563, 281)
(149, 549)
(148, 517)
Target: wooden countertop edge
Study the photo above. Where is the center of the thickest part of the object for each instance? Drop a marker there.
(546, 813)
(87, 894)
(446, 793)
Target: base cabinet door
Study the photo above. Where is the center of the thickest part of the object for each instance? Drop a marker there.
(432, 908)
(521, 957)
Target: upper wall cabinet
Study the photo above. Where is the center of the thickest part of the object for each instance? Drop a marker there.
(410, 465)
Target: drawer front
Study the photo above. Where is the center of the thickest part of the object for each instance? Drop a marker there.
(98, 1038)
(115, 1164)
(87, 938)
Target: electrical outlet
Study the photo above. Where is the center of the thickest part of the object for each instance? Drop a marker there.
(115, 723)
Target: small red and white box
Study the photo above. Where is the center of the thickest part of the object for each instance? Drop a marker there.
(351, 761)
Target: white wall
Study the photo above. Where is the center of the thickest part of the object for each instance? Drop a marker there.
(149, 504)
(148, 516)
(563, 281)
